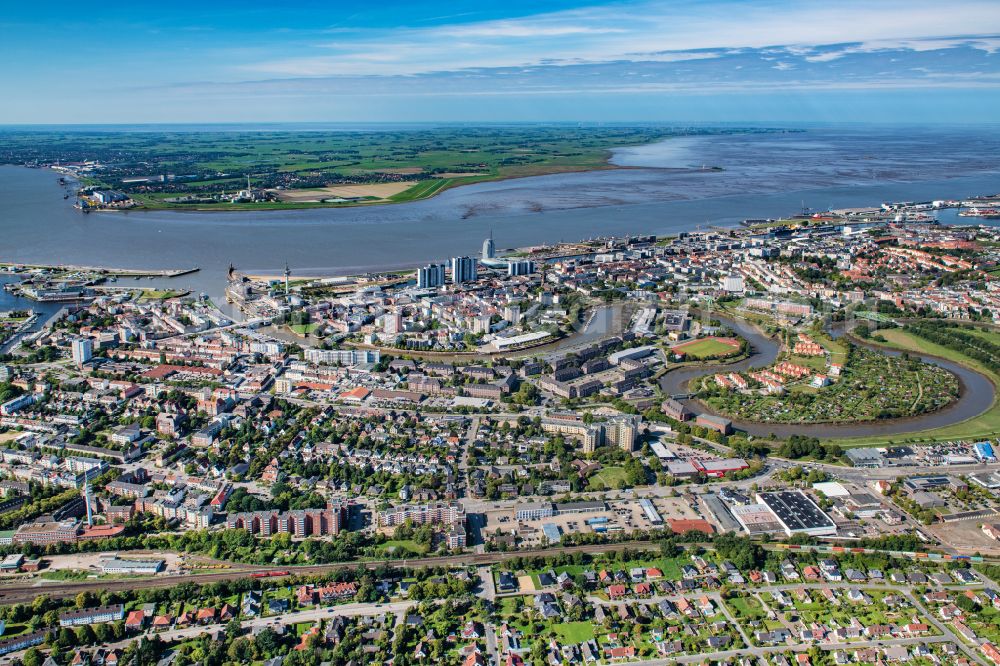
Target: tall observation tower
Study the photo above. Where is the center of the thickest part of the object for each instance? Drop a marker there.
(288, 272)
(489, 251)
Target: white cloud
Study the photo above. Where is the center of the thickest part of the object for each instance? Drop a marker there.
(988, 43)
(520, 29)
(661, 31)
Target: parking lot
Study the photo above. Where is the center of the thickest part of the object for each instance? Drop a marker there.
(619, 516)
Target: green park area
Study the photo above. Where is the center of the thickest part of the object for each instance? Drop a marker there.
(303, 329)
(401, 546)
(706, 348)
(872, 386)
(159, 294)
(971, 347)
(608, 478)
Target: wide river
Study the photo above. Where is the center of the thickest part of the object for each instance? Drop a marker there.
(764, 175)
(665, 191)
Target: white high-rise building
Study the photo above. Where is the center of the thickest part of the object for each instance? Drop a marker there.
(430, 276)
(489, 250)
(520, 267)
(463, 269)
(83, 350)
(622, 431)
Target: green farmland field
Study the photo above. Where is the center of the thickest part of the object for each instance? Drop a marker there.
(192, 169)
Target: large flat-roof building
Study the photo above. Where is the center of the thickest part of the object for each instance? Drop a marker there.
(44, 532)
(719, 468)
(535, 511)
(652, 515)
(864, 457)
(552, 533)
(933, 482)
(798, 513)
(682, 469)
(984, 451)
(586, 506)
(756, 519)
(115, 565)
(12, 562)
(674, 320)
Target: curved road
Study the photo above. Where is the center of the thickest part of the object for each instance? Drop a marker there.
(977, 394)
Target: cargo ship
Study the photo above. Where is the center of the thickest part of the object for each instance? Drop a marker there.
(981, 213)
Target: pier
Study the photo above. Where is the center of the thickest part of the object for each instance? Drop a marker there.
(104, 270)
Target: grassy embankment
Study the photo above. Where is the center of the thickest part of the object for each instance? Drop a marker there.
(160, 294)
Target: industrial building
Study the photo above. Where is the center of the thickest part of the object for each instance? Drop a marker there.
(756, 519)
(798, 513)
(652, 515)
(865, 458)
(141, 567)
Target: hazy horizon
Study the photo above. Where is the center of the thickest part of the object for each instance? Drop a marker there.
(360, 125)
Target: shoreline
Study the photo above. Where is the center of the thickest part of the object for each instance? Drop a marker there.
(607, 163)
(126, 272)
(339, 244)
(318, 205)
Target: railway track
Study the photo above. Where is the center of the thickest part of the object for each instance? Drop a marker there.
(26, 591)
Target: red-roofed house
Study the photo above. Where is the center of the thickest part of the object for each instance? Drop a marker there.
(135, 620)
(304, 643)
(991, 652)
(621, 652)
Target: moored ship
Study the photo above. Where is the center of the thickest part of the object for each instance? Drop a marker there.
(982, 213)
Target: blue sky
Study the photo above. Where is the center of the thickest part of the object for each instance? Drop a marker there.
(429, 60)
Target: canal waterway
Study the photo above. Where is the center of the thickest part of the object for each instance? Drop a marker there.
(977, 393)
